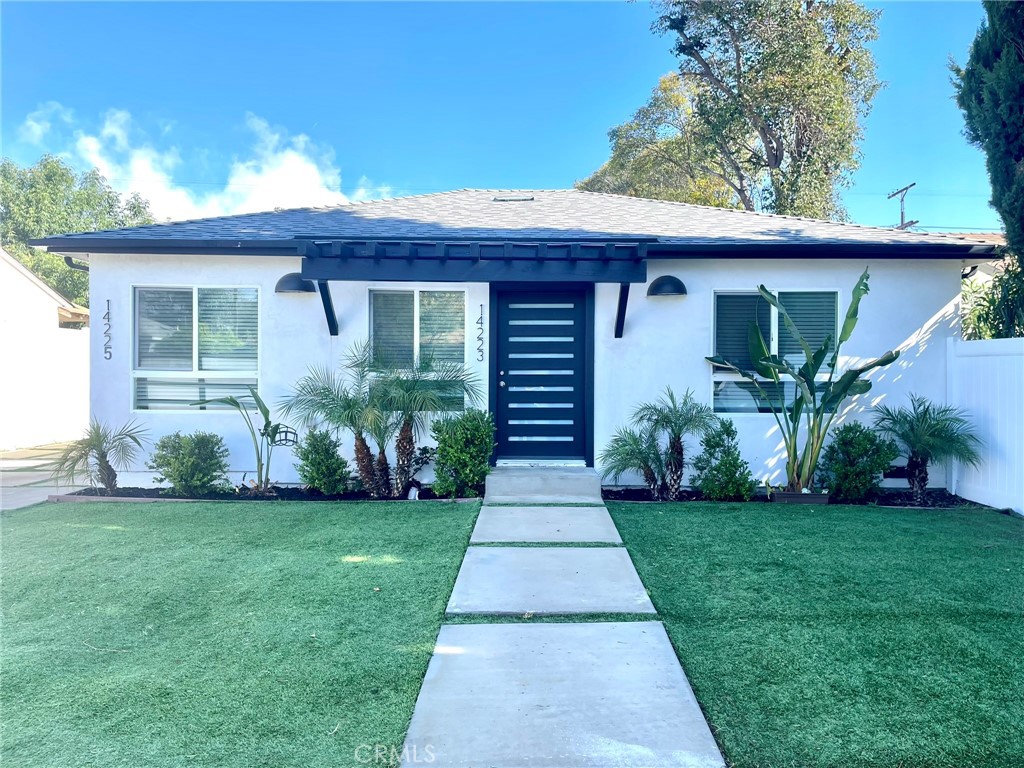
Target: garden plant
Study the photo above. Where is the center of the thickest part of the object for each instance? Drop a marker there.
(464, 446)
(852, 463)
(816, 402)
(320, 465)
(719, 471)
(654, 445)
(194, 465)
(927, 433)
(99, 454)
(264, 439)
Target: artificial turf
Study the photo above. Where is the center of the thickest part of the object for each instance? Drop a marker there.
(843, 636)
(206, 634)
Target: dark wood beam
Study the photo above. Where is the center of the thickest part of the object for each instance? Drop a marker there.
(484, 271)
(620, 312)
(329, 313)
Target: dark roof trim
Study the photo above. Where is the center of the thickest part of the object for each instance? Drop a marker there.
(598, 249)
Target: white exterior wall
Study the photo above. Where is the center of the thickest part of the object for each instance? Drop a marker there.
(986, 378)
(293, 337)
(911, 307)
(44, 383)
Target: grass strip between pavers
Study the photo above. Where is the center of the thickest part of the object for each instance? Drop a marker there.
(529, 504)
(563, 544)
(552, 618)
(843, 636)
(220, 634)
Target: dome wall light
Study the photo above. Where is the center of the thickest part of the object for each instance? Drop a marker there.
(294, 283)
(666, 285)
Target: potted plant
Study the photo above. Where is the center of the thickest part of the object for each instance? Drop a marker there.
(816, 402)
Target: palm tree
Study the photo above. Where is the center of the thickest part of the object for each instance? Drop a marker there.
(673, 419)
(343, 399)
(926, 433)
(99, 454)
(415, 394)
(635, 450)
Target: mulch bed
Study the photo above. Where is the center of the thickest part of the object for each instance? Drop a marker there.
(938, 498)
(279, 493)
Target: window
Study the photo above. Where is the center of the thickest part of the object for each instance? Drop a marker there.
(813, 312)
(194, 344)
(410, 326)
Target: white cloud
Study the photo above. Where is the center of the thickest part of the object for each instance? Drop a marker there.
(38, 124)
(277, 170)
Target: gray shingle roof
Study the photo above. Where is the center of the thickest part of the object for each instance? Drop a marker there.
(529, 215)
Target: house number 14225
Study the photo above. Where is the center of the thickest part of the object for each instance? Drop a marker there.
(107, 348)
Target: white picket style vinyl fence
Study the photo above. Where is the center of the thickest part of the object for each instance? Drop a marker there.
(987, 379)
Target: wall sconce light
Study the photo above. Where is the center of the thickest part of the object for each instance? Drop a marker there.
(293, 283)
(667, 285)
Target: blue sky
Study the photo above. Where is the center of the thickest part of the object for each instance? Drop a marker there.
(216, 108)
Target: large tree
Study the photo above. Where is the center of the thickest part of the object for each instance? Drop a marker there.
(990, 91)
(768, 103)
(655, 155)
(49, 198)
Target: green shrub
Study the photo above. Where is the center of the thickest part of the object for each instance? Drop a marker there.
(852, 464)
(194, 465)
(720, 473)
(464, 446)
(320, 465)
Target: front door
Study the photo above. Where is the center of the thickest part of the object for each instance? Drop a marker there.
(541, 404)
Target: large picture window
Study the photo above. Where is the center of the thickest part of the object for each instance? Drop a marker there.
(194, 344)
(815, 313)
(407, 327)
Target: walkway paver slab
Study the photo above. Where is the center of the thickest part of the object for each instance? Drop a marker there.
(546, 580)
(591, 695)
(540, 485)
(545, 524)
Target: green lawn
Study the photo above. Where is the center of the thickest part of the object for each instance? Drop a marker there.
(843, 636)
(239, 634)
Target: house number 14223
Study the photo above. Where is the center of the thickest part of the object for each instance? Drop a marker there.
(107, 348)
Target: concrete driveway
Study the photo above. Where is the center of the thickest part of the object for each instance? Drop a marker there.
(25, 476)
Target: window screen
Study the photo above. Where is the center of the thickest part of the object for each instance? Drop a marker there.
(443, 326)
(733, 315)
(814, 313)
(392, 326)
(228, 329)
(163, 333)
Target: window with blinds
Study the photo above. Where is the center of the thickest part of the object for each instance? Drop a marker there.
(194, 344)
(407, 326)
(815, 313)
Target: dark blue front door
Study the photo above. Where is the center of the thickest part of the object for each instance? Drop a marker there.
(542, 370)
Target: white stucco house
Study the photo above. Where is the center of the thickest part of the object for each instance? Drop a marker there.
(44, 338)
(570, 306)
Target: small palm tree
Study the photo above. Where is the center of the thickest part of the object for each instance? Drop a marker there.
(415, 395)
(673, 418)
(344, 399)
(635, 450)
(925, 433)
(99, 454)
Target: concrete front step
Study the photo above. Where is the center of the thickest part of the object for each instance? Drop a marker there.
(562, 525)
(592, 695)
(507, 581)
(540, 485)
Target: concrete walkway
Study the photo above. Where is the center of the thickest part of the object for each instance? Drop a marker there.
(25, 476)
(586, 694)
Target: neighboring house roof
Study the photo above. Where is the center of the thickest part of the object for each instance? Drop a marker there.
(67, 311)
(518, 215)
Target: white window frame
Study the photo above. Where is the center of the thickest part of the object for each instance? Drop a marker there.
(195, 373)
(719, 374)
(416, 291)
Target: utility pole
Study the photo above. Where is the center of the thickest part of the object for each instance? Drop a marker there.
(904, 224)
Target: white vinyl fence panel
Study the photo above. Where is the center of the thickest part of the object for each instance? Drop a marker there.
(987, 379)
